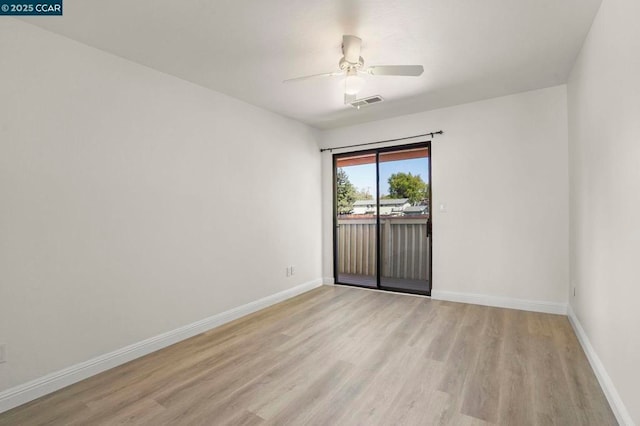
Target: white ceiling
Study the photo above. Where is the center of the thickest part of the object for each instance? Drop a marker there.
(470, 49)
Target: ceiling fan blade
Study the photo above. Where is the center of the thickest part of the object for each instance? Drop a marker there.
(404, 70)
(309, 77)
(351, 48)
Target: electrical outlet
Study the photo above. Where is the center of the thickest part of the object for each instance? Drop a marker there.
(292, 269)
(574, 291)
(3, 353)
(288, 273)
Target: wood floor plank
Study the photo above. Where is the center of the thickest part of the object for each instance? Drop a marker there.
(346, 356)
(445, 328)
(386, 346)
(324, 386)
(481, 391)
(132, 415)
(515, 382)
(587, 396)
(418, 402)
(463, 354)
(551, 397)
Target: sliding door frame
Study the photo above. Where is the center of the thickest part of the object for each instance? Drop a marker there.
(377, 151)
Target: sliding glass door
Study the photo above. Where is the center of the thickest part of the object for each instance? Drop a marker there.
(356, 237)
(382, 235)
(404, 226)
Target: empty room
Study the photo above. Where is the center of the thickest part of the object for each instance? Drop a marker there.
(341, 212)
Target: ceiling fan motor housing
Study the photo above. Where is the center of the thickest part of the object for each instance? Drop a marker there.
(345, 65)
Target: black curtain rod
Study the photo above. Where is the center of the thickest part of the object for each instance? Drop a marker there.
(432, 134)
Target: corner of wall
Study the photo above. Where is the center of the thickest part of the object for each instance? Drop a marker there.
(615, 401)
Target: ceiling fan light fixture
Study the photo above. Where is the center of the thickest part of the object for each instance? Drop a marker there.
(351, 66)
(353, 83)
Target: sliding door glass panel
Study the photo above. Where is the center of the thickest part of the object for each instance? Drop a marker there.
(404, 219)
(356, 237)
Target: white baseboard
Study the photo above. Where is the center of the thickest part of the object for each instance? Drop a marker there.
(328, 281)
(34, 389)
(617, 406)
(501, 302)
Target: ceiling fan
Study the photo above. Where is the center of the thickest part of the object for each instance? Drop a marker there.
(351, 66)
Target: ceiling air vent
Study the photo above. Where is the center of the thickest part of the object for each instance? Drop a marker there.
(358, 103)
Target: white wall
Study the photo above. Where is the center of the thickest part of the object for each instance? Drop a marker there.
(132, 202)
(604, 140)
(501, 169)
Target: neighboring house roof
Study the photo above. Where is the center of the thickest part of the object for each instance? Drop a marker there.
(416, 209)
(383, 202)
(393, 201)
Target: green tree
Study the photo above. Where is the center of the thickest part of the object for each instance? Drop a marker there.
(406, 185)
(363, 194)
(346, 192)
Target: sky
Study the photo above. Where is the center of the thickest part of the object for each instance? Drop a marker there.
(363, 177)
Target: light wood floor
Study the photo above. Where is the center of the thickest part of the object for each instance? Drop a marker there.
(345, 356)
